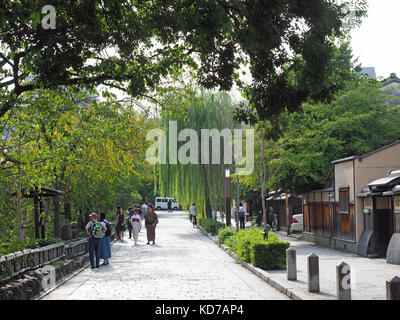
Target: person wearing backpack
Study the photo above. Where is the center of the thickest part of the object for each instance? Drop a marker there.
(242, 215)
(95, 231)
(105, 245)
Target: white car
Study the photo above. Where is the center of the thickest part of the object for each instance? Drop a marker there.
(161, 203)
(297, 223)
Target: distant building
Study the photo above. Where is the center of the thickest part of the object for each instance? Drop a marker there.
(391, 86)
(369, 71)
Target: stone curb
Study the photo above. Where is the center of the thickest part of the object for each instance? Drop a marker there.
(65, 279)
(292, 293)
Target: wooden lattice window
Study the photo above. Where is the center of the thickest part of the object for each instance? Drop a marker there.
(344, 201)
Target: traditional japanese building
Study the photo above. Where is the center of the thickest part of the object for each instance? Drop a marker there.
(346, 215)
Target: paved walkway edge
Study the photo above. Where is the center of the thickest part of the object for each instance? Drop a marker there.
(292, 293)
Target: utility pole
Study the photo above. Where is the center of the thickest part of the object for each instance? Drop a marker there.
(228, 196)
(287, 214)
(237, 200)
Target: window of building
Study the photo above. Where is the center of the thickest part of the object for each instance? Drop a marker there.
(344, 205)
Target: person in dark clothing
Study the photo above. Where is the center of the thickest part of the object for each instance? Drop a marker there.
(128, 221)
(120, 223)
(242, 216)
(105, 245)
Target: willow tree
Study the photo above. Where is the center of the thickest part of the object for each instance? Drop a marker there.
(201, 182)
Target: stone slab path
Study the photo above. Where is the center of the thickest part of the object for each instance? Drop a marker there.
(183, 265)
(368, 276)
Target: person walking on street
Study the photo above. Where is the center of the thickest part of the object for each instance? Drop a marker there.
(139, 211)
(128, 221)
(105, 245)
(242, 216)
(120, 223)
(193, 213)
(95, 231)
(150, 222)
(144, 208)
(136, 222)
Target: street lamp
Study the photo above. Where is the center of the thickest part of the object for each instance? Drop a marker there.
(228, 196)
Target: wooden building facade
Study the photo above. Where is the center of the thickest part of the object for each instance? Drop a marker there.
(334, 216)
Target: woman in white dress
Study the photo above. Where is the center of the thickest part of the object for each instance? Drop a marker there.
(136, 222)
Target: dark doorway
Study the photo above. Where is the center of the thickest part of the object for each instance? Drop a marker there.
(383, 229)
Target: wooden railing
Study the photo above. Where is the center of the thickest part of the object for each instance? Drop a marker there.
(14, 264)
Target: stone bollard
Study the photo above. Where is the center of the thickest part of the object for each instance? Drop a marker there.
(313, 273)
(393, 289)
(291, 267)
(343, 284)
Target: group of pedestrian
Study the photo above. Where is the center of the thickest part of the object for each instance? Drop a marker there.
(99, 230)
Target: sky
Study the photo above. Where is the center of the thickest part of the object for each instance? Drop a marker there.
(376, 41)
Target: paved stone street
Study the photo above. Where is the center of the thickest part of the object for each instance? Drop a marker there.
(184, 264)
(368, 276)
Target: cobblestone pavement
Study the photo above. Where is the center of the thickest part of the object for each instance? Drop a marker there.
(183, 264)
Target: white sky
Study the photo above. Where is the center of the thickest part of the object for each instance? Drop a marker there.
(376, 41)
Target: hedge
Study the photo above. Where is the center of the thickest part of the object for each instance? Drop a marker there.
(224, 233)
(209, 225)
(250, 246)
(269, 255)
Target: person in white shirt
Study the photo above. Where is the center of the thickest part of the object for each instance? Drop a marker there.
(136, 222)
(144, 209)
(193, 213)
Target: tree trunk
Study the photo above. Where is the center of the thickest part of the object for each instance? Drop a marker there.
(206, 193)
(57, 220)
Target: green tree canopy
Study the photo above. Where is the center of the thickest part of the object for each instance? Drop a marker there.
(136, 45)
(354, 123)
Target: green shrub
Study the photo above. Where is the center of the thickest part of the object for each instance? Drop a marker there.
(250, 246)
(269, 255)
(13, 245)
(224, 233)
(245, 240)
(48, 241)
(272, 237)
(209, 225)
(231, 243)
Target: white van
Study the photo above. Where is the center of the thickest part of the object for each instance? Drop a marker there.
(161, 203)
